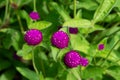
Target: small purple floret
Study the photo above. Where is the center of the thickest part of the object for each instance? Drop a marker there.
(33, 37)
(34, 16)
(101, 46)
(73, 30)
(72, 59)
(84, 61)
(60, 39)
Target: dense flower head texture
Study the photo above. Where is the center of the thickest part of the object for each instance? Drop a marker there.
(73, 30)
(33, 37)
(34, 15)
(84, 61)
(60, 39)
(72, 59)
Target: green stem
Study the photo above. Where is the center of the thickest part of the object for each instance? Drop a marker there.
(81, 72)
(57, 56)
(42, 66)
(6, 10)
(20, 23)
(74, 5)
(110, 52)
(33, 62)
(69, 38)
(6, 16)
(34, 5)
(94, 58)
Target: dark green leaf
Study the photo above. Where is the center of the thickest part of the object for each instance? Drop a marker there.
(114, 71)
(4, 64)
(8, 75)
(61, 11)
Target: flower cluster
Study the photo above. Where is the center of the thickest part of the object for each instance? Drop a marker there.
(73, 59)
(59, 39)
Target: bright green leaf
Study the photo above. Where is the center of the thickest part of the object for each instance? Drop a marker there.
(39, 25)
(61, 11)
(103, 10)
(26, 52)
(80, 23)
(79, 43)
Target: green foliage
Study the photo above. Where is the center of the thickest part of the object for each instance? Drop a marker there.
(27, 73)
(98, 22)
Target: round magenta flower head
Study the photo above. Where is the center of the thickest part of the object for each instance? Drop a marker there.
(100, 46)
(84, 61)
(34, 15)
(60, 39)
(33, 37)
(73, 30)
(72, 59)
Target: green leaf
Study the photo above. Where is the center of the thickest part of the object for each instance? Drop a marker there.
(114, 71)
(49, 78)
(84, 4)
(92, 72)
(76, 73)
(103, 10)
(70, 76)
(106, 33)
(54, 52)
(29, 74)
(112, 18)
(4, 64)
(39, 25)
(26, 52)
(61, 11)
(40, 59)
(78, 42)
(25, 16)
(80, 23)
(8, 75)
(12, 38)
(117, 4)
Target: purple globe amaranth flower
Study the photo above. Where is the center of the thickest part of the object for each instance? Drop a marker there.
(73, 30)
(72, 59)
(60, 39)
(100, 46)
(34, 15)
(84, 61)
(33, 37)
